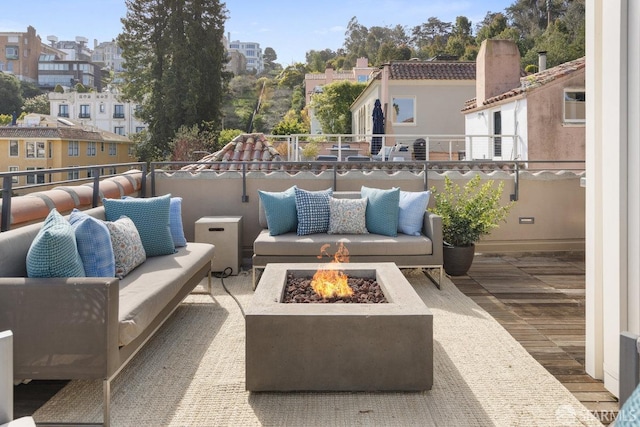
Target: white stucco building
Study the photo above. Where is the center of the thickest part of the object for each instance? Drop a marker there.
(103, 110)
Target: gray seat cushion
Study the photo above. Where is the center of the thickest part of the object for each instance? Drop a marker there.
(357, 244)
(150, 287)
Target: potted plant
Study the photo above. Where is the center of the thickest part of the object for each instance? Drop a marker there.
(468, 213)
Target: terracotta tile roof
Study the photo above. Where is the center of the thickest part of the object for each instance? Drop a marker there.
(532, 82)
(57, 133)
(254, 148)
(432, 70)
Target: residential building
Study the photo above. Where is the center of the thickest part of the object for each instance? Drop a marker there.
(417, 98)
(103, 110)
(314, 82)
(251, 51)
(108, 55)
(73, 66)
(19, 54)
(545, 111)
(42, 142)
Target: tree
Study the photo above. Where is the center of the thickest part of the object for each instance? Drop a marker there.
(37, 104)
(331, 106)
(29, 89)
(292, 123)
(190, 139)
(10, 97)
(174, 58)
(269, 56)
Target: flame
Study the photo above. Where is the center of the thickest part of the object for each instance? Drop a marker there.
(330, 281)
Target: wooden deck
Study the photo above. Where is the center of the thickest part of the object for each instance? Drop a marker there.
(540, 300)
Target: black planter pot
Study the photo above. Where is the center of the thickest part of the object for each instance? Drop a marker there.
(458, 259)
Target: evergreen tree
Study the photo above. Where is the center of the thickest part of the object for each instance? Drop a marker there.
(331, 106)
(174, 59)
(10, 97)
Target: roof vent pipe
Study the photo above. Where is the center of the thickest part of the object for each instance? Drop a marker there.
(542, 60)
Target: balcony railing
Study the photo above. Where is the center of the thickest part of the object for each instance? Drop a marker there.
(8, 187)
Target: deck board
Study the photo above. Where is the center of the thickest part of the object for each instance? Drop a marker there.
(540, 301)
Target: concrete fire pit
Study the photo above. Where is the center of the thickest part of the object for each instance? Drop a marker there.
(338, 347)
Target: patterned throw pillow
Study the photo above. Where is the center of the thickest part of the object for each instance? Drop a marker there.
(128, 250)
(347, 216)
(94, 244)
(151, 217)
(175, 222)
(313, 211)
(280, 210)
(382, 210)
(53, 252)
(411, 211)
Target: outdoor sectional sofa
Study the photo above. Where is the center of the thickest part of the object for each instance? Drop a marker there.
(286, 245)
(90, 327)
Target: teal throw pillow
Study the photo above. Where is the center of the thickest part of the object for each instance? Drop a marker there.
(313, 211)
(280, 210)
(382, 210)
(151, 217)
(412, 207)
(53, 252)
(94, 244)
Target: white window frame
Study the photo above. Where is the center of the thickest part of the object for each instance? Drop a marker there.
(35, 150)
(394, 119)
(565, 100)
(73, 149)
(113, 149)
(73, 175)
(14, 143)
(91, 149)
(14, 179)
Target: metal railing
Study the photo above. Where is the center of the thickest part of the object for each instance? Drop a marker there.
(8, 185)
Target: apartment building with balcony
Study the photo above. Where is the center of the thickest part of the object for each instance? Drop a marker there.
(103, 110)
(108, 55)
(70, 63)
(19, 54)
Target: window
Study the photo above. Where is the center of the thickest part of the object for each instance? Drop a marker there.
(102, 108)
(13, 148)
(91, 149)
(139, 129)
(404, 110)
(118, 130)
(574, 106)
(35, 178)
(85, 111)
(11, 52)
(112, 149)
(63, 110)
(35, 150)
(118, 111)
(497, 130)
(73, 174)
(14, 179)
(73, 149)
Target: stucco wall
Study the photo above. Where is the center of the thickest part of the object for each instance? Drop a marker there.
(549, 137)
(542, 196)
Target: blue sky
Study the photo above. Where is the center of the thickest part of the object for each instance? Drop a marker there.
(290, 27)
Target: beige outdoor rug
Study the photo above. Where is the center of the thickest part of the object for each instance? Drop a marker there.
(192, 374)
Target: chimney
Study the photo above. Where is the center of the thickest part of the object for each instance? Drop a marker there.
(542, 60)
(497, 69)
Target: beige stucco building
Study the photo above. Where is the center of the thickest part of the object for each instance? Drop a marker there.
(19, 54)
(417, 97)
(544, 111)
